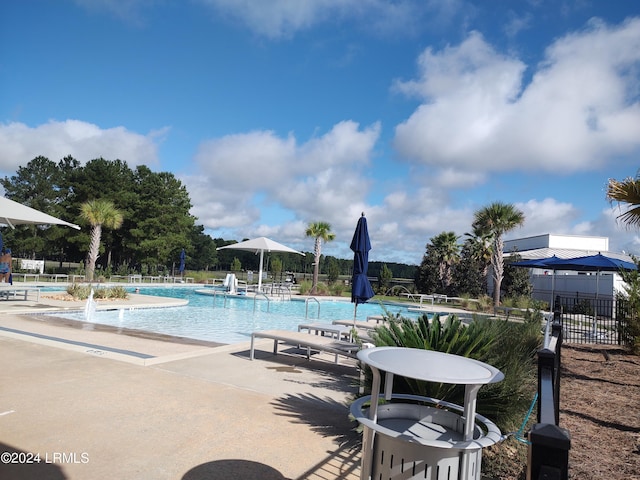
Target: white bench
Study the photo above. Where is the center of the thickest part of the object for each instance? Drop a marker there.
(5, 292)
(311, 342)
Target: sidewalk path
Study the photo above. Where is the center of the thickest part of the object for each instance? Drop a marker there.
(99, 404)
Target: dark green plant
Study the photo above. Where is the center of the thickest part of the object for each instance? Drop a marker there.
(336, 289)
(384, 278)
(583, 307)
(79, 292)
(509, 346)
(449, 337)
(236, 266)
(631, 297)
(332, 269)
(117, 291)
(82, 292)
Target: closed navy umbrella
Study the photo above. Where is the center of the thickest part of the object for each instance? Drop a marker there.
(182, 259)
(361, 290)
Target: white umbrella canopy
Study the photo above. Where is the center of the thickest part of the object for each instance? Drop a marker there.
(14, 213)
(261, 244)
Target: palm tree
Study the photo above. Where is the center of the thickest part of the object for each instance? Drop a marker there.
(321, 231)
(627, 191)
(495, 220)
(479, 245)
(447, 251)
(98, 213)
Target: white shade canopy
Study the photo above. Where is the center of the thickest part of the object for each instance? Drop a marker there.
(14, 213)
(261, 244)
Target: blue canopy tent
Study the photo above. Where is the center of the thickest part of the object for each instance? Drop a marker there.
(546, 263)
(590, 263)
(361, 290)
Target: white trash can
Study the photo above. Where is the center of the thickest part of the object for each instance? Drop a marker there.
(426, 439)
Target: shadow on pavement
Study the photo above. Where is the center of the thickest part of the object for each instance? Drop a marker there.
(328, 418)
(233, 470)
(18, 464)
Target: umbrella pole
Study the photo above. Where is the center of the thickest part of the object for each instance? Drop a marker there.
(260, 271)
(594, 327)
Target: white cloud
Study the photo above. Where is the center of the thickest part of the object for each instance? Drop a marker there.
(546, 216)
(127, 10)
(283, 18)
(252, 161)
(580, 109)
(320, 179)
(452, 178)
(517, 23)
(84, 141)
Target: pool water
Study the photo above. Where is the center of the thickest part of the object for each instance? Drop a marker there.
(230, 319)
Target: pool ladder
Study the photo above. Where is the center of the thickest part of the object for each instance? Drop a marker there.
(261, 295)
(306, 306)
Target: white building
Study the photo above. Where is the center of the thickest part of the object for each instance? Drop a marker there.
(549, 283)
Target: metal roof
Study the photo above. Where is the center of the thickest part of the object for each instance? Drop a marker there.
(565, 253)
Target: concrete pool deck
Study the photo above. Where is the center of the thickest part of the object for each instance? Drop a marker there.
(103, 404)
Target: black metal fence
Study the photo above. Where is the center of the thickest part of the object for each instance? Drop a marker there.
(590, 320)
(549, 443)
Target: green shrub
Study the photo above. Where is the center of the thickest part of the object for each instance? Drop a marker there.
(583, 307)
(99, 293)
(81, 292)
(336, 289)
(322, 289)
(508, 346)
(305, 287)
(451, 337)
(117, 291)
(485, 303)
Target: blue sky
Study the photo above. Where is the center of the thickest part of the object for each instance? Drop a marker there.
(278, 113)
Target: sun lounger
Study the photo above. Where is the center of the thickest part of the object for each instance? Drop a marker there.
(310, 342)
(364, 325)
(325, 329)
(13, 291)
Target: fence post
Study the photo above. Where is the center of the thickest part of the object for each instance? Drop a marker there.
(548, 452)
(548, 456)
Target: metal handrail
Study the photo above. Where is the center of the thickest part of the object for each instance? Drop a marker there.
(306, 306)
(215, 295)
(263, 295)
(398, 287)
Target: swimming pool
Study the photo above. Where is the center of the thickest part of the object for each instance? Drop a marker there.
(230, 319)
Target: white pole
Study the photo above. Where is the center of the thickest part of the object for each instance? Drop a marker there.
(260, 272)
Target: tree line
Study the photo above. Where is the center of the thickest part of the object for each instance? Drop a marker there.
(156, 223)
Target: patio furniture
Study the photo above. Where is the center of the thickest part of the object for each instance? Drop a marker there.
(412, 436)
(5, 292)
(310, 342)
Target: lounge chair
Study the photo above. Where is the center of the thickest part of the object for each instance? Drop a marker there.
(360, 324)
(310, 342)
(11, 292)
